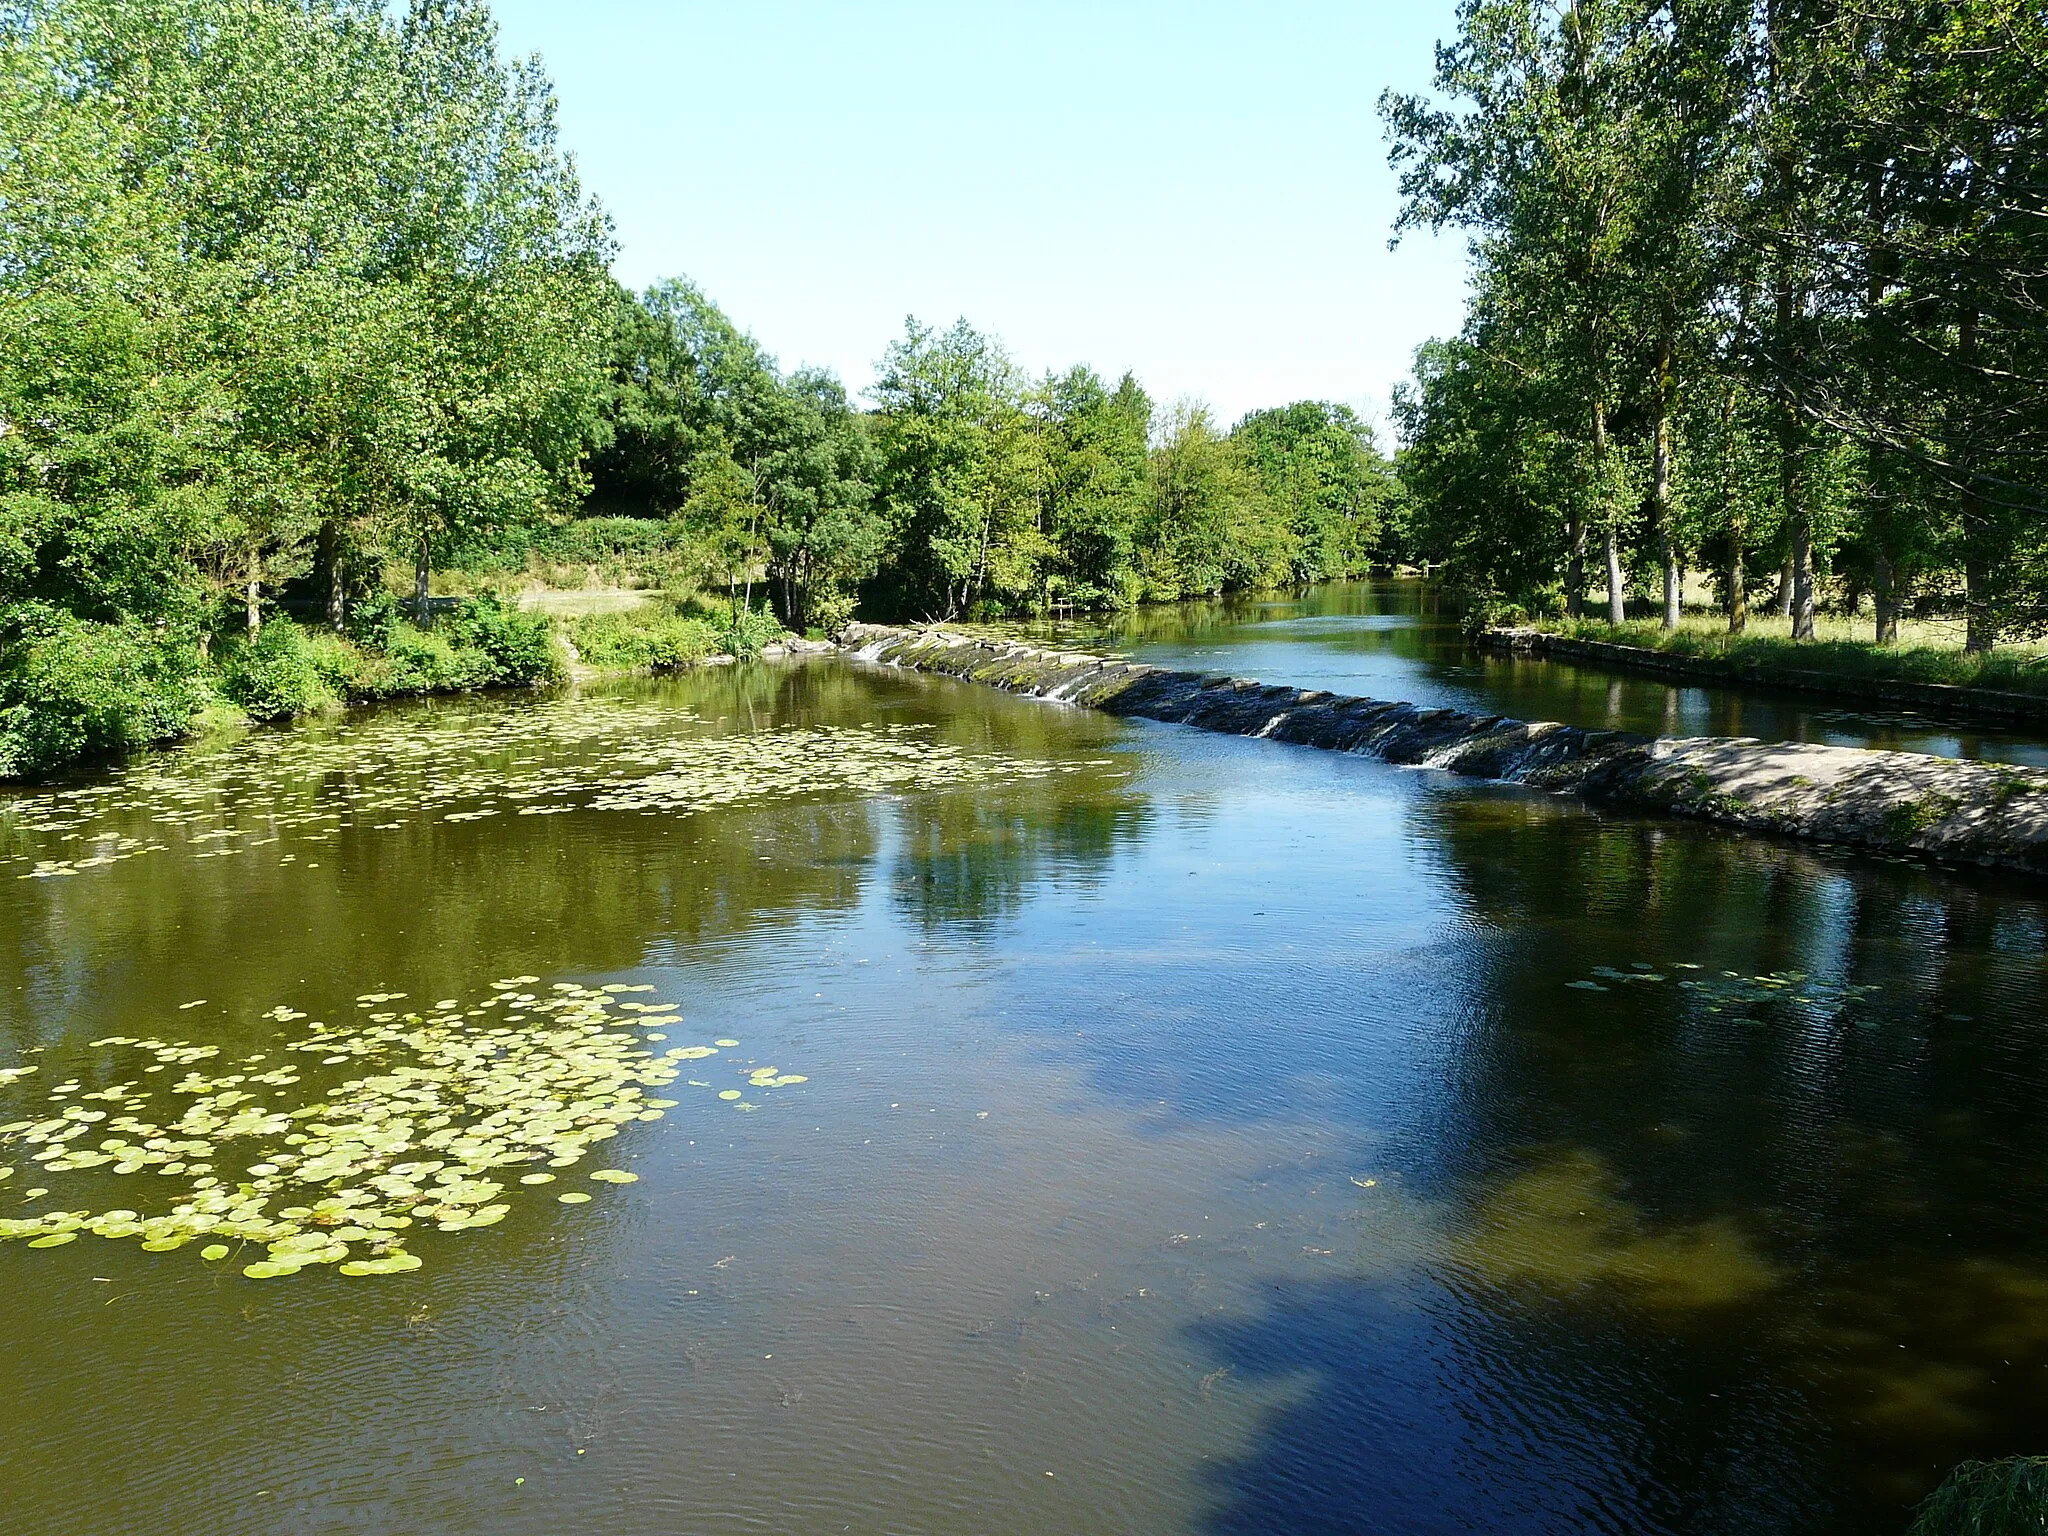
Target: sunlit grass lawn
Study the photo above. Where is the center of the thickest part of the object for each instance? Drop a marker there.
(1929, 650)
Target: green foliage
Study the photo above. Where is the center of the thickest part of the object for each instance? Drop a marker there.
(73, 688)
(750, 630)
(1317, 462)
(1756, 286)
(1988, 1498)
(648, 639)
(520, 647)
(283, 284)
(276, 675)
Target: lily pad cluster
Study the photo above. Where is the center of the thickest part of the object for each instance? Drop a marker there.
(459, 764)
(1731, 991)
(407, 1118)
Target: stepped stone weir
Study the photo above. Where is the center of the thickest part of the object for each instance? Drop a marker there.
(1944, 809)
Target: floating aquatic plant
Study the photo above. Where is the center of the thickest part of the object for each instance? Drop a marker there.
(598, 754)
(1730, 990)
(429, 1117)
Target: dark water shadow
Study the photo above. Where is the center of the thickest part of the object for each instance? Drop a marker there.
(1409, 1414)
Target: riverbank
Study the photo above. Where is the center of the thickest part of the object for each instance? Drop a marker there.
(2005, 685)
(1948, 810)
(77, 696)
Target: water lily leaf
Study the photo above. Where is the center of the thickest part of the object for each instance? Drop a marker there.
(572, 1197)
(54, 1240)
(615, 1176)
(213, 1253)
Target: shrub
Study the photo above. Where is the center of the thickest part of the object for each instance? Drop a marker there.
(276, 676)
(750, 629)
(520, 646)
(643, 640)
(829, 615)
(70, 688)
(1988, 1498)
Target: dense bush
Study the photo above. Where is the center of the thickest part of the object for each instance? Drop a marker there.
(644, 640)
(519, 646)
(277, 675)
(598, 539)
(750, 629)
(70, 688)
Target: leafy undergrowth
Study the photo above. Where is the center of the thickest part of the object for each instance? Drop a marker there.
(1925, 657)
(72, 691)
(1988, 1498)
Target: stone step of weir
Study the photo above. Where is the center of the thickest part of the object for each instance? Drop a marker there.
(1944, 809)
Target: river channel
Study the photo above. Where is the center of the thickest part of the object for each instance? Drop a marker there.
(1401, 639)
(1009, 1119)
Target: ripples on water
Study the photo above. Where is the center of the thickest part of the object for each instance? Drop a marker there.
(1205, 1138)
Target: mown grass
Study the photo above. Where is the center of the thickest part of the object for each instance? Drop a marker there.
(1927, 652)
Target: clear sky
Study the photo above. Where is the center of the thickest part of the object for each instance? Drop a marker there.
(1198, 192)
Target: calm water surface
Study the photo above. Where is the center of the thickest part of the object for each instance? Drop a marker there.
(1210, 1136)
(1400, 640)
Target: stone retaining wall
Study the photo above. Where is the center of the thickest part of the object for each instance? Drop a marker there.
(1938, 808)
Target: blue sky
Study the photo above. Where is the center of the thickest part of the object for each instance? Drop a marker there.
(1195, 192)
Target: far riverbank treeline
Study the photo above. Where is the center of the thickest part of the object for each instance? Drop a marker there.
(1759, 287)
(303, 307)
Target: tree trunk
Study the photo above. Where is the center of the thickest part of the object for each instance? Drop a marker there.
(1617, 606)
(422, 572)
(1783, 600)
(1884, 596)
(327, 560)
(1802, 579)
(1738, 590)
(1574, 566)
(1617, 609)
(1660, 488)
(254, 610)
(1981, 634)
(1791, 469)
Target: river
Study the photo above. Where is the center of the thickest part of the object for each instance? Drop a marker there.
(1119, 1129)
(1400, 639)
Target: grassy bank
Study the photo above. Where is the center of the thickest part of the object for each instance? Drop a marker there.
(72, 692)
(1927, 652)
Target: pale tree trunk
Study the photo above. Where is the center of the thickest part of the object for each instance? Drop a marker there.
(1660, 489)
(1617, 606)
(1802, 579)
(1738, 517)
(1574, 567)
(253, 610)
(1791, 473)
(1617, 609)
(422, 573)
(1783, 600)
(328, 557)
(1982, 631)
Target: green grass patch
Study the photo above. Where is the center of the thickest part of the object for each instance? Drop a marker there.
(647, 639)
(1927, 652)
